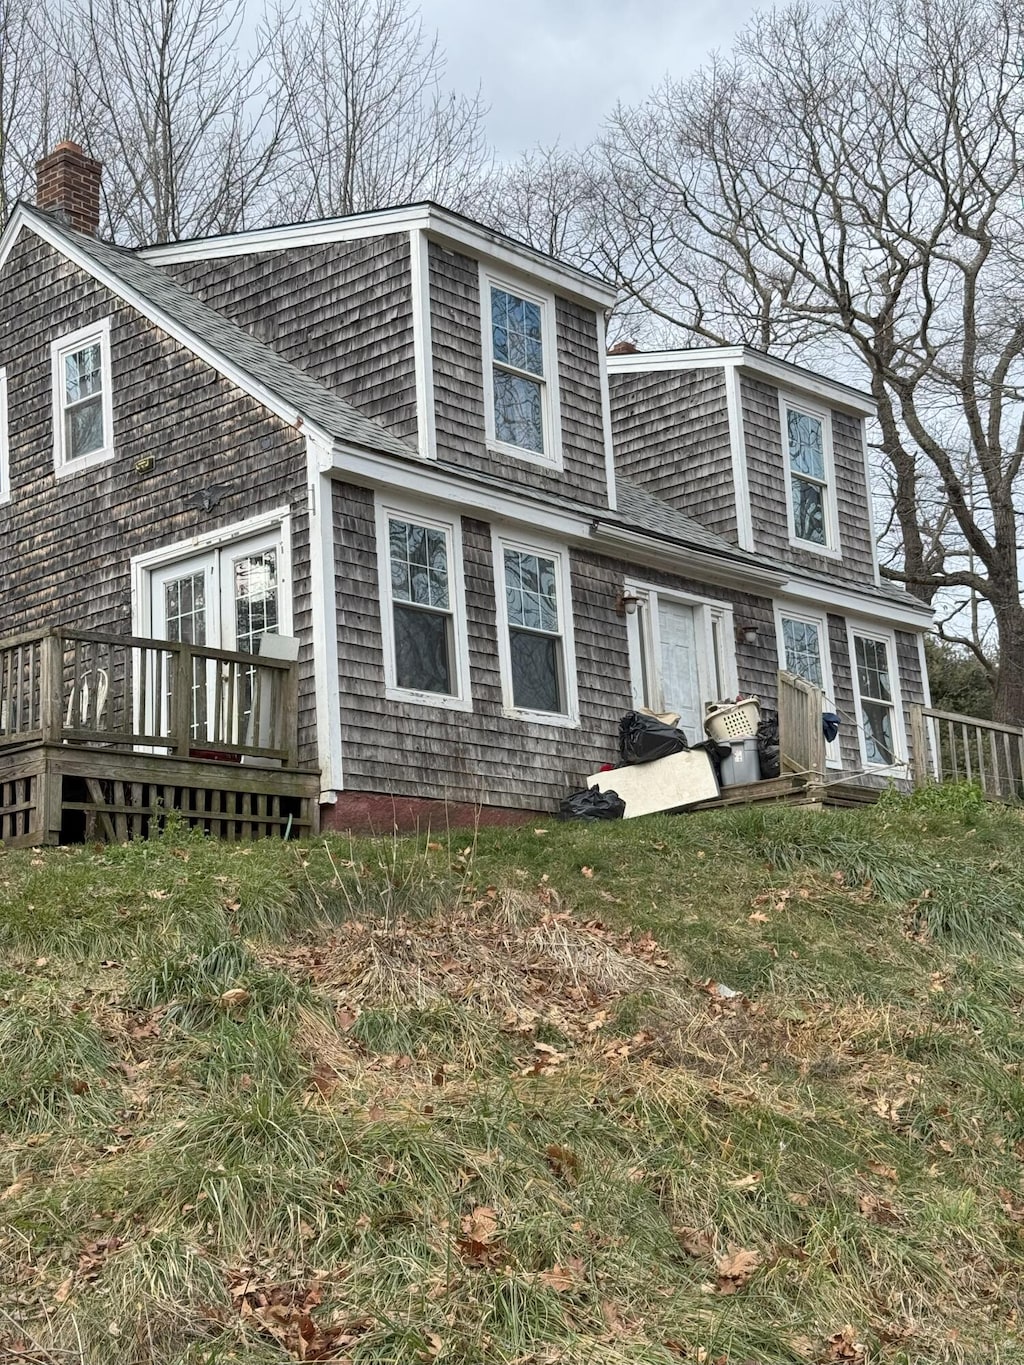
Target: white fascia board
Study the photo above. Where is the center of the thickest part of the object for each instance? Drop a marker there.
(849, 602)
(443, 226)
(672, 557)
(606, 412)
(423, 350)
(775, 371)
(187, 338)
(322, 570)
(323, 230)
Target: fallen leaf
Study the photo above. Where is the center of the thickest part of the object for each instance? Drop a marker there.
(694, 1242)
(886, 1172)
(540, 832)
(844, 1345)
(746, 1182)
(735, 1268)
(587, 871)
(235, 998)
(63, 1290)
(562, 1278)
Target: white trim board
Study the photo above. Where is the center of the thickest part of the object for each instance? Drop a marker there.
(606, 411)
(738, 454)
(445, 227)
(423, 353)
(324, 625)
(779, 372)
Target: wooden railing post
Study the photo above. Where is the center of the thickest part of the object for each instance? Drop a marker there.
(918, 744)
(51, 686)
(288, 734)
(181, 702)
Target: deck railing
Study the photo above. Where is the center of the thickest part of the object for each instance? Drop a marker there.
(948, 747)
(87, 687)
(801, 740)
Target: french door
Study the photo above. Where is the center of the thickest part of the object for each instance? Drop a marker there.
(227, 597)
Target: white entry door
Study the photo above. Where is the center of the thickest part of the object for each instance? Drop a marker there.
(681, 654)
(680, 672)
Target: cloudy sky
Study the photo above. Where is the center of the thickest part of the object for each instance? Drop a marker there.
(551, 69)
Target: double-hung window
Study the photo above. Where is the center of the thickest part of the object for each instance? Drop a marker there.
(535, 633)
(878, 697)
(810, 478)
(5, 443)
(422, 610)
(521, 399)
(82, 407)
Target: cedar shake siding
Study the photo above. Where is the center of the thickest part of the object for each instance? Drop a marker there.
(671, 432)
(406, 750)
(341, 311)
(457, 341)
(68, 541)
(762, 430)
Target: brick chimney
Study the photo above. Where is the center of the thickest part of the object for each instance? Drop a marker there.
(68, 184)
(623, 348)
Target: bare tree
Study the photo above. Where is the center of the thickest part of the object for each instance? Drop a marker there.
(188, 130)
(372, 124)
(851, 183)
(31, 112)
(544, 198)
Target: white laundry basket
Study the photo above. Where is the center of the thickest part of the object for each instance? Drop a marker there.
(733, 720)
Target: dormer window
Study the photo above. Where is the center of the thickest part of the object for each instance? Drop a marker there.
(810, 478)
(82, 410)
(521, 390)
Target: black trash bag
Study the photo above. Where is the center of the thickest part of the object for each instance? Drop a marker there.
(829, 725)
(768, 750)
(592, 804)
(716, 750)
(645, 738)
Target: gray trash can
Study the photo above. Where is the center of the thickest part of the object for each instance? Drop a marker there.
(742, 764)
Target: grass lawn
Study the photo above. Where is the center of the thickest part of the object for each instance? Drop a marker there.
(738, 1087)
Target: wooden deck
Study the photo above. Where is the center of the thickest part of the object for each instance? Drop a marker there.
(101, 736)
(794, 790)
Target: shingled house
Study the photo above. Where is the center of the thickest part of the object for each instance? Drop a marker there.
(396, 438)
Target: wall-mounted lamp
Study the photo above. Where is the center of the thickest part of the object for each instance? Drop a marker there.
(747, 635)
(626, 603)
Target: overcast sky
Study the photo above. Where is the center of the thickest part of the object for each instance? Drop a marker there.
(552, 69)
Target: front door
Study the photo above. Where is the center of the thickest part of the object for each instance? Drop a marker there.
(680, 674)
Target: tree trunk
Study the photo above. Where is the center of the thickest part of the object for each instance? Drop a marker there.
(1009, 693)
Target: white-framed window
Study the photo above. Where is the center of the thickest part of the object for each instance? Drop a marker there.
(876, 688)
(803, 645)
(536, 649)
(809, 465)
(682, 653)
(5, 442)
(520, 370)
(83, 423)
(423, 610)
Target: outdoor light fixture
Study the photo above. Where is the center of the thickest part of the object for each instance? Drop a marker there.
(746, 635)
(626, 603)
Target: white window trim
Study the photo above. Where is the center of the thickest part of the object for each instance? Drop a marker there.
(5, 442)
(833, 752)
(831, 550)
(550, 404)
(642, 627)
(450, 524)
(181, 551)
(874, 632)
(63, 466)
(569, 719)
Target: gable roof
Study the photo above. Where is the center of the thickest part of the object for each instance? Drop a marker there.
(288, 390)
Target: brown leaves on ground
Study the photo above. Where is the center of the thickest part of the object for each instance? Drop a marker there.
(283, 1313)
(563, 1278)
(844, 1346)
(480, 1243)
(878, 1210)
(735, 1268)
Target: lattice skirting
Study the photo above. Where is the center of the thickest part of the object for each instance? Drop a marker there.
(68, 794)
